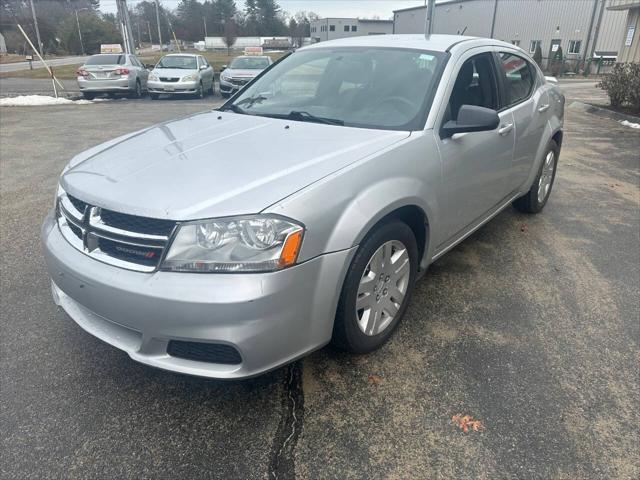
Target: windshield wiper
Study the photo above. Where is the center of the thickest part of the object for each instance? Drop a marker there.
(308, 117)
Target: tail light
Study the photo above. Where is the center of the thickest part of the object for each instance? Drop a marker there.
(122, 71)
(82, 72)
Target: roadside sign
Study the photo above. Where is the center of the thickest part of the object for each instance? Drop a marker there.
(110, 48)
(253, 50)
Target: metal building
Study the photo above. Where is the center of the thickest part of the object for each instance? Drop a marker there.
(584, 29)
(325, 29)
(629, 50)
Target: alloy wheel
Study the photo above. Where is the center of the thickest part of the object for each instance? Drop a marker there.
(546, 176)
(382, 287)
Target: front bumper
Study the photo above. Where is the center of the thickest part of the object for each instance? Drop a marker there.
(172, 87)
(270, 318)
(107, 85)
(229, 87)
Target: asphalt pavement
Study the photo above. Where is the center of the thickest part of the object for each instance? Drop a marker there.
(531, 326)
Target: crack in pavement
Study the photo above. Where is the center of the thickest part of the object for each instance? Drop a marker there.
(282, 465)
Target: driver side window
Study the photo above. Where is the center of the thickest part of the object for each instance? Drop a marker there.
(475, 85)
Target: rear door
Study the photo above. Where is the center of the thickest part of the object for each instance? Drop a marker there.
(475, 166)
(526, 98)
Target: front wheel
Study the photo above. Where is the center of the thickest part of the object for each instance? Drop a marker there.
(88, 96)
(200, 91)
(536, 198)
(377, 288)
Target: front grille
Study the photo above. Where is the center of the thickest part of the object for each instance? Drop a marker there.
(133, 223)
(204, 352)
(148, 256)
(167, 79)
(240, 81)
(79, 204)
(127, 241)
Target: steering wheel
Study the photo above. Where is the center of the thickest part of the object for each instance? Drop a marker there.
(402, 104)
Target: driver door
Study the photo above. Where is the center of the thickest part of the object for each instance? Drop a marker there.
(475, 166)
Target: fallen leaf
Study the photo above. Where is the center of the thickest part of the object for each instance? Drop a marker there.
(466, 422)
(375, 380)
(524, 228)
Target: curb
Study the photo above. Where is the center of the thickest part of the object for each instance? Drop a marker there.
(603, 112)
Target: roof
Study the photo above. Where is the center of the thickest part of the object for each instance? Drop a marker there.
(423, 7)
(438, 43)
(183, 55)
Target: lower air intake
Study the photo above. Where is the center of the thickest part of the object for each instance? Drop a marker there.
(204, 352)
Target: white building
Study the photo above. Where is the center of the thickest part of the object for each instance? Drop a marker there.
(325, 29)
(583, 28)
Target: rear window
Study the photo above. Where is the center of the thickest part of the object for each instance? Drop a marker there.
(106, 60)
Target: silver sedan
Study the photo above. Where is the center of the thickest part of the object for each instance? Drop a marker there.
(112, 73)
(303, 211)
(182, 74)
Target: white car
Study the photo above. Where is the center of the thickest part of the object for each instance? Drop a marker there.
(181, 74)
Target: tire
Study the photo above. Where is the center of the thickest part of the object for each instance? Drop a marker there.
(537, 196)
(88, 96)
(200, 91)
(351, 329)
(213, 87)
(137, 93)
(153, 96)
(224, 95)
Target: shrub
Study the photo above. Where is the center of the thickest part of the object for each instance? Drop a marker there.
(616, 84)
(633, 86)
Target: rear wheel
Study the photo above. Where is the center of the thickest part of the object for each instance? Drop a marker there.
(137, 92)
(377, 288)
(200, 91)
(88, 96)
(536, 198)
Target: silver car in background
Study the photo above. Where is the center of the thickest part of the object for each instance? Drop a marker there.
(112, 73)
(301, 212)
(182, 74)
(241, 71)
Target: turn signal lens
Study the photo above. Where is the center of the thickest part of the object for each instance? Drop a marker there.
(290, 249)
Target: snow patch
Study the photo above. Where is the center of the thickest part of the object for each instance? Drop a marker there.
(626, 123)
(39, 100)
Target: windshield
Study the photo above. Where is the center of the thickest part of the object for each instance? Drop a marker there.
(249, 63)
(106, 60)
(384, 88)
(176, 61)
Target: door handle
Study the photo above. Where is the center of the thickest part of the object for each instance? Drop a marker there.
(543, 108)
(505, 129)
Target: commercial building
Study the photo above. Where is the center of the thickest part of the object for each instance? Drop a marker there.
(325, 29)
(585, 29)
(629, 50)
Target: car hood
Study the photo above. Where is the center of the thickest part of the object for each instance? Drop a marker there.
(172, 72)
(236, 72)
(215, 164)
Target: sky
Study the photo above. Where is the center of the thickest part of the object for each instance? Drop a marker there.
(325, 8)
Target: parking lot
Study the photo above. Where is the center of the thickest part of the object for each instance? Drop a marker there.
(532, 326)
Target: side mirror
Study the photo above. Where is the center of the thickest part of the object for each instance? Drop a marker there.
(149, 66)
(224, 67)
(471, 119)
(203, 67)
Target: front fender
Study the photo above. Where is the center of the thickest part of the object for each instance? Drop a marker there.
(339, 210)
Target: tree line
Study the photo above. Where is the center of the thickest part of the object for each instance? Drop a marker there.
(191, 20)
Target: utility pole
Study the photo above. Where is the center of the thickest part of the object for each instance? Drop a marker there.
(158, 20)
(431, 11)
(149, 30)
(35, 24)
(80, 32)
(493, 21)
(125, 26)
(204, 20)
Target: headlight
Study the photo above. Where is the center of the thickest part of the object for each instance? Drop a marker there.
(153, 77)
(189, 78)
(257, 243)
(225, 76)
